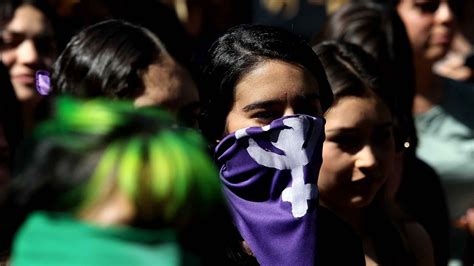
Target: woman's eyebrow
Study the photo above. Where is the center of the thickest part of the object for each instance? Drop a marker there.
(344, 129)
(271, 103)
(261, 105)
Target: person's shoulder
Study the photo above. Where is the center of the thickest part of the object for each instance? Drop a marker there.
(420, 243)
(338, 244)
(458, 100)
(459, 88)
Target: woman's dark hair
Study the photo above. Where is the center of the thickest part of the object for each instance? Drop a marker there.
(8, 8)
(237, 53)
(10, 112)
(381, 33)
(351, 71)
(106, 59)
(364, 24)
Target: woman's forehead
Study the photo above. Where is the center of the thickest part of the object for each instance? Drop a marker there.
(276, 77)
(29, 20)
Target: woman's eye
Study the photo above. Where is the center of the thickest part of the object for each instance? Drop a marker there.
(427, 7)
(265, 116)
(11, 39)
(346, 143)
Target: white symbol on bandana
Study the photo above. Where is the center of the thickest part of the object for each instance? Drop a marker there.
(295, 158)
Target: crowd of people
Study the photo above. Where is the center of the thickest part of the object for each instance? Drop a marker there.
(186, 133)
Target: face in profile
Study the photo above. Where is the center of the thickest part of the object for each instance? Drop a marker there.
(429, 26)
(357, 153)
(170, 86)
(27, 47)
(273, 89)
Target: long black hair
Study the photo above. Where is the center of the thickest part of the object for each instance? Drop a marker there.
(235, 54)
(10, 114)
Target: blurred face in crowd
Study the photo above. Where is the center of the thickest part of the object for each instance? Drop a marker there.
(27, 46)
(357, 152)
(429, 24)
(272, 90)
(170, 86)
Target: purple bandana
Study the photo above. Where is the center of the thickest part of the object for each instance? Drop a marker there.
(269, 175)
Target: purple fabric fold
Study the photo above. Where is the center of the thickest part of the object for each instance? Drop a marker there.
(269, 176)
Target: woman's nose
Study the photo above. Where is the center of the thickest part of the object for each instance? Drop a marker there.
(27, 52)
(289, 111)
(444, 13)
(366, 158)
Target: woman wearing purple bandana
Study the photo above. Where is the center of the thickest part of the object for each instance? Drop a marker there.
(264, 93)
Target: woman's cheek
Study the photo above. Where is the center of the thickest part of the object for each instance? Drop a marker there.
(335, 169)
(8, 57)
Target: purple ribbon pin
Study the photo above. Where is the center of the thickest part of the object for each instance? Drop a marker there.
(43, 82)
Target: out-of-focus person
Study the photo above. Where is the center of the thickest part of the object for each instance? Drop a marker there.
(442, 109)
(119, 60)
(27, 44)
(458, 64)
(103, 182)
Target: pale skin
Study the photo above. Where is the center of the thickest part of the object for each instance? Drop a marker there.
(114, 208)
(452, 65)
(357, 153)
(170, 86)
(272, 90)
(357, 157)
